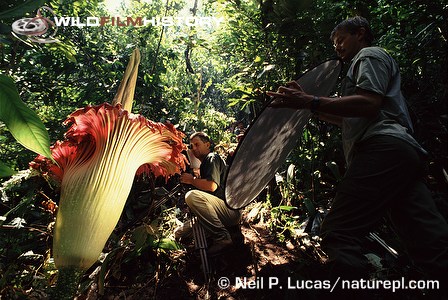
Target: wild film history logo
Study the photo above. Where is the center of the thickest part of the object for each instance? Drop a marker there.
(42, 29)
(39, 29)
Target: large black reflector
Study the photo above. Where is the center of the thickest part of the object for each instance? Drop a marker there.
(271, 137)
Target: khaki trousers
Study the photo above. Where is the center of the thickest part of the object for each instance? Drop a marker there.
(212, 213)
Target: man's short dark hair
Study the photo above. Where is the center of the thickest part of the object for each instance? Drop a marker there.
(352, 25)
(202, 135)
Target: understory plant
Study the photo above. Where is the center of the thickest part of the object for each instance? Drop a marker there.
(22, 122)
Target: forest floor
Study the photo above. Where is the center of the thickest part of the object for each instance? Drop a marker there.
(266, 265)
(253, 270)
(260, 268)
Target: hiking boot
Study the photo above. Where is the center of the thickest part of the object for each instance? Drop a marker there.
(219, 246)
(236, 235)
(184, 232)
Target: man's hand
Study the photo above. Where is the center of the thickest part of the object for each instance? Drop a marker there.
(290, 96)
(201, 184)
(186, 178)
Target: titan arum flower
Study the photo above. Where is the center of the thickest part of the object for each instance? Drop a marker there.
(97, 163)
(103, 149)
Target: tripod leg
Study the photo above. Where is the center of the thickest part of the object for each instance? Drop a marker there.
(201, 245)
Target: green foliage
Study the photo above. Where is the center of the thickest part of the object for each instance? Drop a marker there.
(416, 34)
(23, 123)
(284, 222)
(5, 171)
(24, 234)
(21, 9)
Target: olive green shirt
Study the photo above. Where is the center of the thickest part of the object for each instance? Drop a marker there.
(213, 168)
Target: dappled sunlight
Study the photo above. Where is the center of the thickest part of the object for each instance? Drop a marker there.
(207, 66)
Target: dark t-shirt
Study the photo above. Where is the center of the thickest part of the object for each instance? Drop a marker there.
(213, 168)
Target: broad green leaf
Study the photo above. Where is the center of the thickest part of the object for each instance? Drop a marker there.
(139, 236)
(21, 9)
(286, 207)
(22, 122)
(6, 171)
(167, 244)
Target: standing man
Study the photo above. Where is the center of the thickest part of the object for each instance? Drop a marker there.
(384, 162)
(206, 201)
